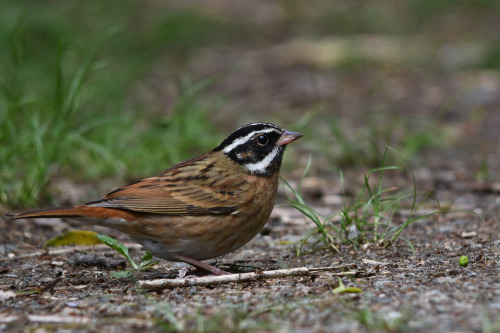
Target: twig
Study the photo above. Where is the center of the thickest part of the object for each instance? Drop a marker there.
(238, 278)
(57, 319)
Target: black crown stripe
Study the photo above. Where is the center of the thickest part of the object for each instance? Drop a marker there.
(244, 131)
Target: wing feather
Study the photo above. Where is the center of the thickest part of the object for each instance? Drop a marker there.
(200, 187)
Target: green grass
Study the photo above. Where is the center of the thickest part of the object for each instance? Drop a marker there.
(47, 135)
(69, 99)
(374, 216)
(146, 261)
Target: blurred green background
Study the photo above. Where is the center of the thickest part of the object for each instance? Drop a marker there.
(94, 93)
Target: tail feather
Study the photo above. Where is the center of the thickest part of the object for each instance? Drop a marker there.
(86, 214)
(118, 219)
(49, 212)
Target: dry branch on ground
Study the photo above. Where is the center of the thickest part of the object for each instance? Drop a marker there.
(238, 278)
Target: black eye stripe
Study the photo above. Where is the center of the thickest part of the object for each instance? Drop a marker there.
(262, 139)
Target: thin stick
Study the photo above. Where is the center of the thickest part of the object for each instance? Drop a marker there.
(238, 278)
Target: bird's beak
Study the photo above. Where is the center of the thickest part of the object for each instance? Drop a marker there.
(288, 137)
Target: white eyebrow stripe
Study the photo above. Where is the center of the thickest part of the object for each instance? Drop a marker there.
(245, 138)
(261, 166)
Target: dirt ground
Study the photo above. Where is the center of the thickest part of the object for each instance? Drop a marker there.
(71, 289)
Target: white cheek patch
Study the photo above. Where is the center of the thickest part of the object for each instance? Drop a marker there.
(245, 138)
(261, 166)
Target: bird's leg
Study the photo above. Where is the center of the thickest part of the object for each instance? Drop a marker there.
(196, 263)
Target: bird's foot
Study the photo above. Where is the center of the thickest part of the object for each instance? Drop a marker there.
(199, 264)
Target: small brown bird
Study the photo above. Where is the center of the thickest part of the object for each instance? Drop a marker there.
(199, 209)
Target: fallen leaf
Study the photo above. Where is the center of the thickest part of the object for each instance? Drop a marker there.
(74, 237)
(343, 289)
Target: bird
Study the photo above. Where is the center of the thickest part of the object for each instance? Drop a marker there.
(200, 209)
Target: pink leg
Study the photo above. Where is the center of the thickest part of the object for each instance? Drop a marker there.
(212, 269)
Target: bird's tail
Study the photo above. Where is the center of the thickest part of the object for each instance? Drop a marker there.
(108, 217)
(50, 212)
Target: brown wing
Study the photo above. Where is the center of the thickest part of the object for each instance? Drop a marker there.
(199, 186)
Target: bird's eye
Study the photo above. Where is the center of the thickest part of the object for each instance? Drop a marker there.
(262, 140)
